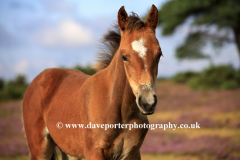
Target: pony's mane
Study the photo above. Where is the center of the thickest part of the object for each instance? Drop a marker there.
(111, 40)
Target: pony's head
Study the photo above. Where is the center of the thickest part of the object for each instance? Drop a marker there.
(140, 53)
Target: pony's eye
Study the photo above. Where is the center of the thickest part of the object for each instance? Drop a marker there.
(124, 58)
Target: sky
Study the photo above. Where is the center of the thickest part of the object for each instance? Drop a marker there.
(40, 34)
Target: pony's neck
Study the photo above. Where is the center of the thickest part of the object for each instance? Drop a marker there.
(122, 99)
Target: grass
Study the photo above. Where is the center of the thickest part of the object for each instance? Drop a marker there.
(14, 158)
(229, 117)
(195, 133)
(168, 157)
(163, 116)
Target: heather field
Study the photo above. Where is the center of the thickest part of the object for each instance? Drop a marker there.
(217, 112)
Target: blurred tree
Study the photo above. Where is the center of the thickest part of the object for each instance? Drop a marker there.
(211, 20)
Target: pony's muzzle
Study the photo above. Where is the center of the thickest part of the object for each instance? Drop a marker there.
(147, 104)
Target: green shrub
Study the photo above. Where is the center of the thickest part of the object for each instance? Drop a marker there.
(184, 77)
(1, 83)
(3, 95)
(162, 78)
(87, 70)
(14, 89)
(216, 77)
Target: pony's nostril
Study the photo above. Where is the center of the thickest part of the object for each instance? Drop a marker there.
(140, 100)
(155, 97)
(155, 100)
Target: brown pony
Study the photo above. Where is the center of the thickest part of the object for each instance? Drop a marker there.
(122, 92)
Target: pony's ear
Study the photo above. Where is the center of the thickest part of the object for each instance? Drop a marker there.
(122, 18)
(152, 18)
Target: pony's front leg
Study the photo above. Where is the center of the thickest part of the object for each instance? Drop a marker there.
(95, 154)
(138, 156)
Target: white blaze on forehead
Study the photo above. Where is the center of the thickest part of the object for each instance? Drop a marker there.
(139, 47)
